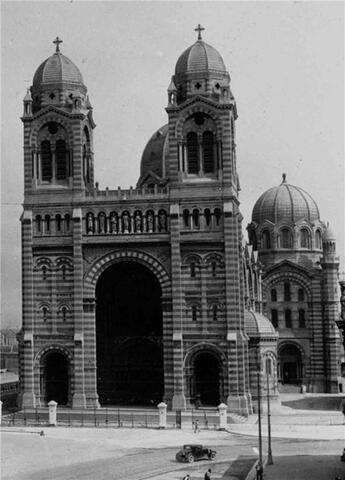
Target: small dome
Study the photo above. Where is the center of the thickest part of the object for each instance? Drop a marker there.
(57, 70)
(328, 234)
(154, 153)
(285, 202)
(199, 57)
(256, 324)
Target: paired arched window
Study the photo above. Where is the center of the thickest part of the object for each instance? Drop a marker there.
(54, 164)
(304, 238)
(208, 152)
(46, 162)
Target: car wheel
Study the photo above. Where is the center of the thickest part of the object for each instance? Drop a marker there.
(190, 458)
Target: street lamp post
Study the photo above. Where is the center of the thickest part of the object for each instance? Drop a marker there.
(269, 453)
(259, 419)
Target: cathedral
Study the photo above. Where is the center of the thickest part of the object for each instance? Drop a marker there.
(137, 296)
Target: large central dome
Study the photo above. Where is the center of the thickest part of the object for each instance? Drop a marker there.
(285, 202)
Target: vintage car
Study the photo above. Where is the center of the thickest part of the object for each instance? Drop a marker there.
(191, 452)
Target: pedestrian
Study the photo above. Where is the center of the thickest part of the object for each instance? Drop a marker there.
(259, 472)
(196, 426)
(207, 475)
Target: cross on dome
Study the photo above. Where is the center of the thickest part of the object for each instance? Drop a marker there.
(57, 42)
(284, 178)
(199, 29)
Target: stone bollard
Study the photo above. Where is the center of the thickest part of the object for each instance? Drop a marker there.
(0, 411)
(162, 407)
(52, 412)
(223, 420)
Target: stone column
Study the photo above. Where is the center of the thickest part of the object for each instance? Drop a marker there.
(179, 400)
(90, 361)
(27, 380)
(79, 400)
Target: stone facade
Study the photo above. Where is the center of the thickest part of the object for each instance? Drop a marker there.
(138, 296)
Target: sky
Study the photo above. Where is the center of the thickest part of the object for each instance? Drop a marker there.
(285, 59)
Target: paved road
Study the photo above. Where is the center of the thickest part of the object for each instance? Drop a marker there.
(131, 455)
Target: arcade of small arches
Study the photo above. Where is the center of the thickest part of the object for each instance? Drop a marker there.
(197, 219)
(287, 238)
(46, 224)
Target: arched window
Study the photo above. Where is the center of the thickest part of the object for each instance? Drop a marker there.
(207, 215)
(304, 238)
(300, 295)
(269, 369)
(288, 320)
(208, 152)
(192, 153)
(287, 292)
(64, 313)
(38, 224)
(45, 313)
(46, 161)
(273, 295)
(318, 239)
(217, 215)
(274, 318)
(215, 312)
(195, 216)
(194, 313)
(214, 268)
(47, 223)
(61, 160)
(44, 272)
(192, 270)
(63, 271)
(185, 218)
(67, 222)
(266, 239)
(301, 318)
(58, 222)
(285, 238)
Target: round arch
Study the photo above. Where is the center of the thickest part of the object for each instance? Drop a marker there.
(275, 278)
(204, 372)
(52, 117)
(101, 264)
(291, 362)
(196, 109)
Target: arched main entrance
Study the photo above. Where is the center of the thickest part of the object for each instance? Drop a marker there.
(207, 379)
(290, 365)
(129, 336)
(56, 378)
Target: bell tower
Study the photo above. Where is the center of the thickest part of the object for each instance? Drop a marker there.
(58, 125)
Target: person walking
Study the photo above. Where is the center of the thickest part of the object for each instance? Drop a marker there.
(196, 426)
(207, 475)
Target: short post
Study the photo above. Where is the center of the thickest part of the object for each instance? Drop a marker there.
(52, 412)
(223, 420)
(0, 411)
(162, 407)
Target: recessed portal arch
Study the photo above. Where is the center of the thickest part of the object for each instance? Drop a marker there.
(55, 378)
(129, 331)
(290, 360)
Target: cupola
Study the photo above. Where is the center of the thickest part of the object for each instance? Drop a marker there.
(58, 81)
(200, 70)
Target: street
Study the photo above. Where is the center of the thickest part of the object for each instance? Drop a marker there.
(138, 454)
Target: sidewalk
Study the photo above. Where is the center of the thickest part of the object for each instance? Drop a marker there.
(305, 467)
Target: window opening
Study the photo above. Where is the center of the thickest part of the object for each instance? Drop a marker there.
(300, 295)
(215, 312)
(305, 238)
(47, 221)
(287, 292)
(207, 215)
(58, 222)
(214, 268)
(186, 218)
(192, 153)
(274, 318)
(44, 272)
(63, 270)
(44, 312)
(217, 216)
(208, 152)
(46, 161)
(38, 223)
(288, 320)
(61, 160)
(286, 240)
(192, 270)
(64, 313)
(301, 318)
(273, 295)
(194, 313)
(266, 239)
(195, 218)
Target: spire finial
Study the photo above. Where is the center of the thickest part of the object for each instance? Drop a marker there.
(284, 178)
(57, 42)
(199, 29)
